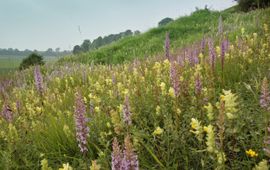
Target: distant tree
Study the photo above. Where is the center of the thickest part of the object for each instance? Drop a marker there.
(128, 33)
(85, 45)
(32, 59)
(165, 21)
(247, 5)
(97, 43)
(57, 50)
(137, 32)
(76, 49)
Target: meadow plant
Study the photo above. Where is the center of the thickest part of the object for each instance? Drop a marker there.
(82, 130)
(38, 79)
(265, 95)
(167, 47)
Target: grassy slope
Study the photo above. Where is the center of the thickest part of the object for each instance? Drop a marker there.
(11, 63)
(183, 31)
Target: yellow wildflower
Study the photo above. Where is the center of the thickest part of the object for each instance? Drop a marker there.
(97, 109)
(218, 50)
(196, 128)
(95, 166)
(262, 165)
(210, 139)
(66, 167)
(265, 27)
(251, 153)
(166, 63)
(44, 165)
(242, 31)
(158, 110)
(162, 86)
(158, 131)
(171, 92)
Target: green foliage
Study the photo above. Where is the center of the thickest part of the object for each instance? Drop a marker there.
(247, 5)
(32, 59)
(99, 42)
(165, 21)
(183, 31)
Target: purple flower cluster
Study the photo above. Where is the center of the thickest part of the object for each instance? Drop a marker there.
(167, 46)
(124, 160)
(224, 49)
(174, 79)
(198, 84)
(38, 79)
(82, 131)
(7, 113)
(126, 112)
(265, 95)
(212, 54)
(203, 42)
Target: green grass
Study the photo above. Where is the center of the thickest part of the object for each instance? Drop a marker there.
(183, 32)
(11, 63)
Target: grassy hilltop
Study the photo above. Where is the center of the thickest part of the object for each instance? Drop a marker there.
(184, 31)
(127, 106)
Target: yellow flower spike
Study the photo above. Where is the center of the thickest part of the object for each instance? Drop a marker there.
(158, 131)
(97, 109)
(108, 124)
(90, 96)
(44, 165)
(38, 109)
(85, 99)
(210, 138)
(178, 111)
(95, 166)
(218, 50)
(201, 56)
(166, 63)
(251, 153)
(181, 79)
(66, 167)
(158, 110)
(242, 31)
(171, 92)
(162, 85)
(263, 165)
(196, 128)
(194, 124)
(125, 92)
(210, 113)
(67, 130)
(265, 26)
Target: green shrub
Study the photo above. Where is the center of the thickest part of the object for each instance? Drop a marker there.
(247, 5)
(32, 59)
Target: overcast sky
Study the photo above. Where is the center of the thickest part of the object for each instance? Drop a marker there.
(43, 24)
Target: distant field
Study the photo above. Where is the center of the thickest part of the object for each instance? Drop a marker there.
(10, 63)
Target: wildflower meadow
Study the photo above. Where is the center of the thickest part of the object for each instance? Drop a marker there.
(205, 105)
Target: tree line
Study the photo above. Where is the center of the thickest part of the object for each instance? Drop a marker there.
(87, 45)
(48, 52)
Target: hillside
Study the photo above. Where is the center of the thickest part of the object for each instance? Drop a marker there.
(183, 32)
(206, 106)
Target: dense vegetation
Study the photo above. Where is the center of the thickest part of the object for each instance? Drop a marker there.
(49, 52)
(248, 5)
(31, 60)
(204, 104)
(87, 45)
(183, 32)
(165, 21)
